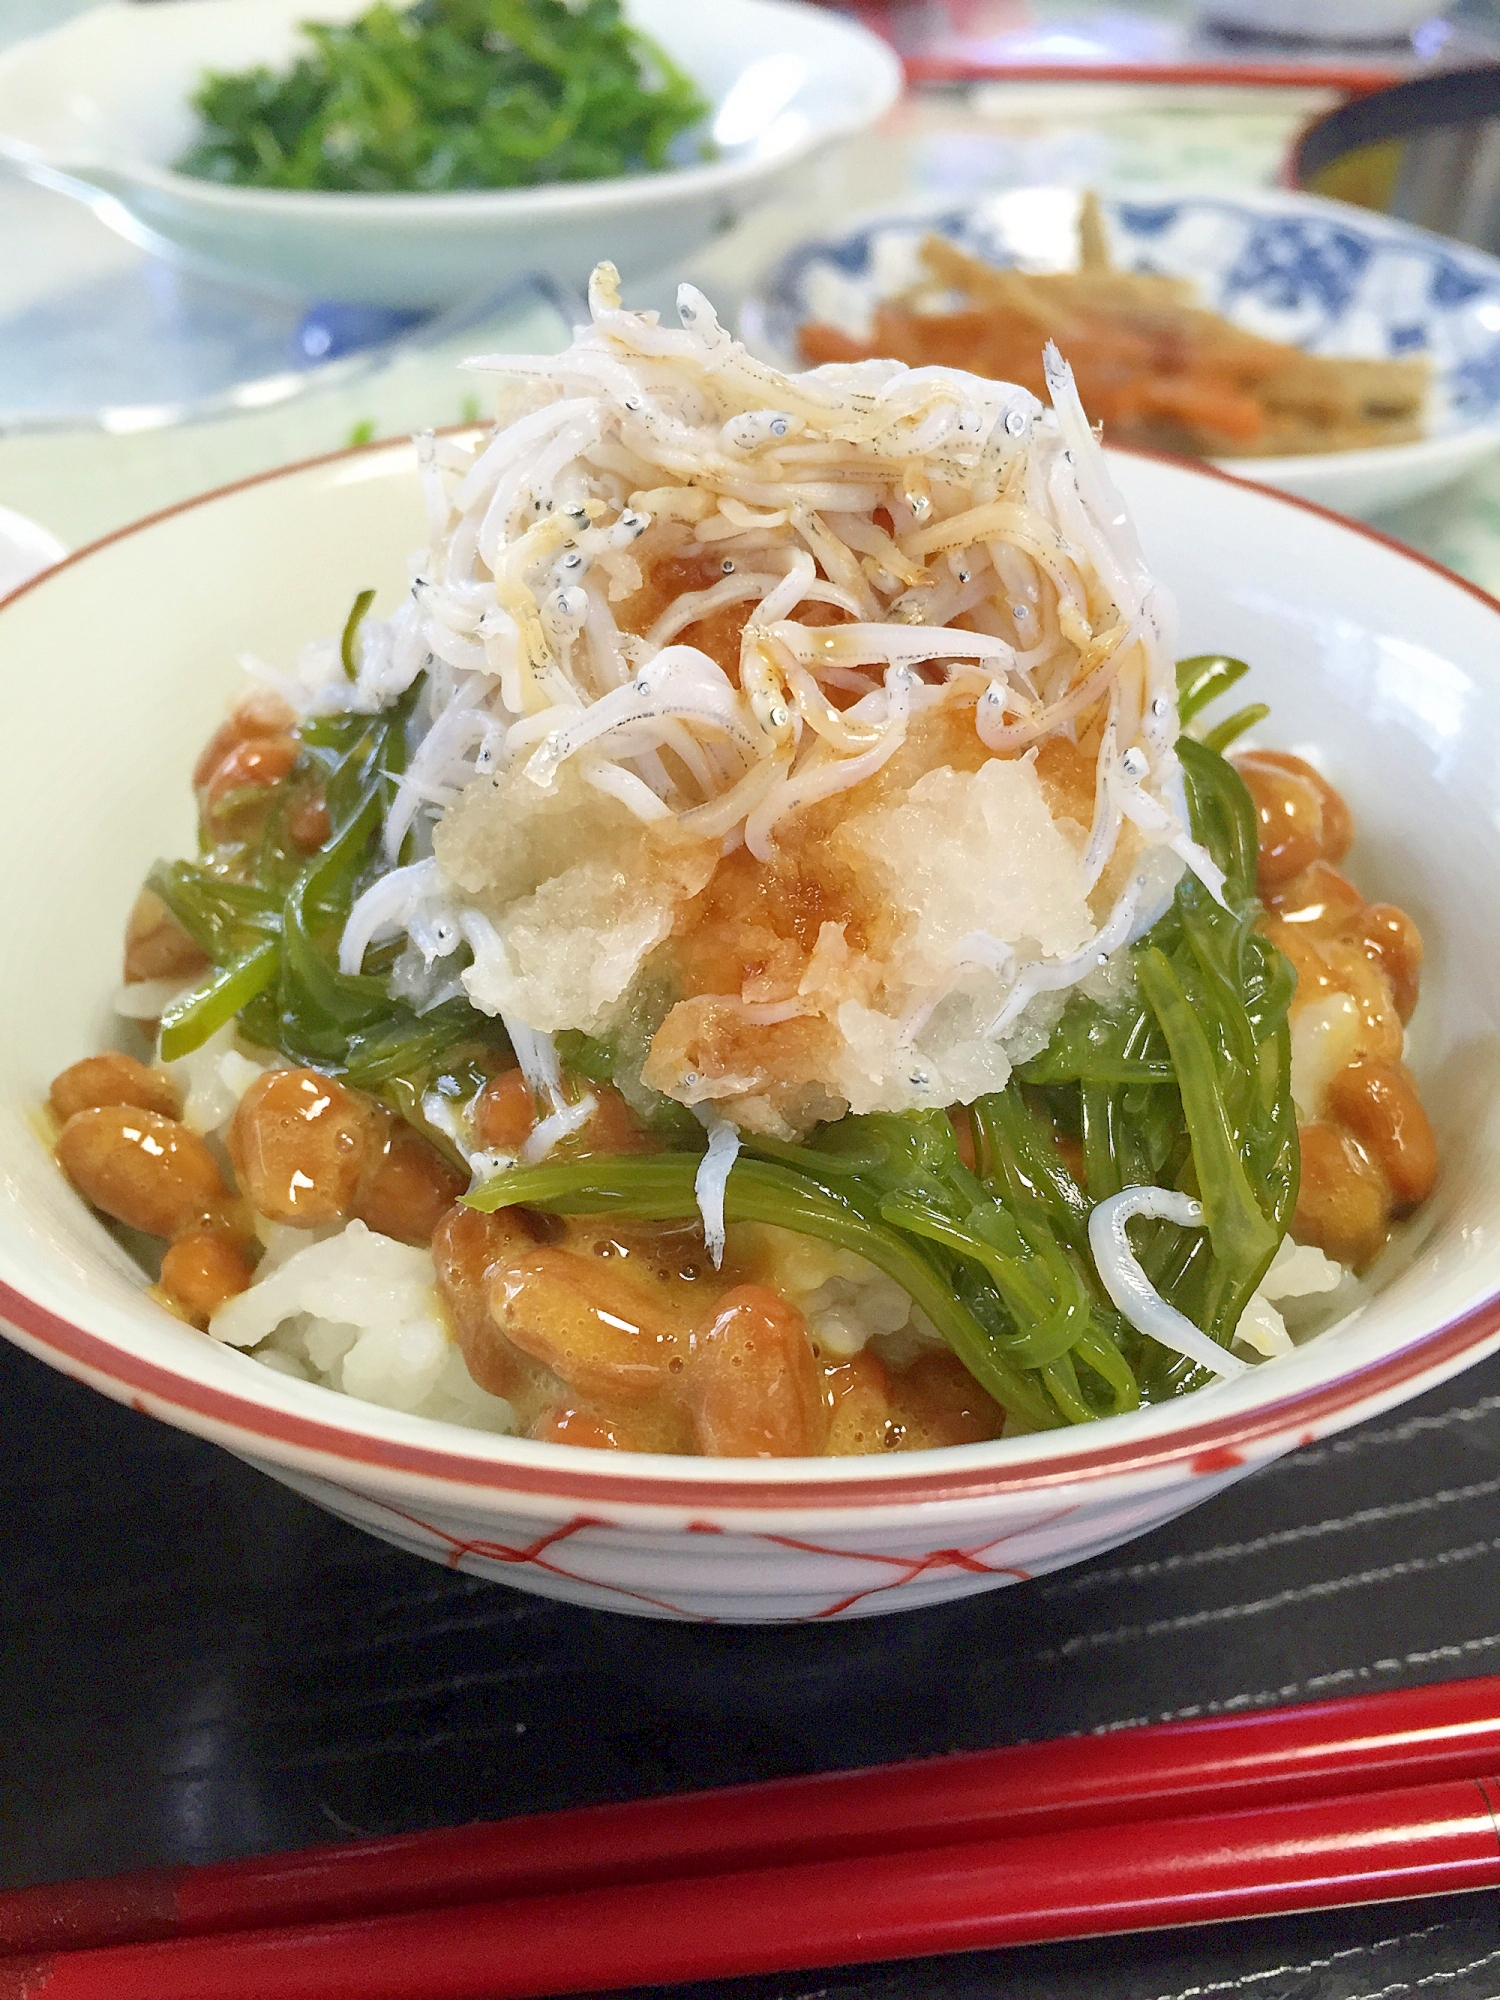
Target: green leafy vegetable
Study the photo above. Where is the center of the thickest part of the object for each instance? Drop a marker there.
(270, 918)
(450, 94)
(1181, 1080)
(192, 1017)
(223, 916)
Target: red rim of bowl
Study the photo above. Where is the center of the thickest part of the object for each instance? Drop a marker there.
(1215, 1445)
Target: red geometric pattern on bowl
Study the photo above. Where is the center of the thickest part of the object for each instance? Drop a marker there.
(893, 1572)
(588, 1559)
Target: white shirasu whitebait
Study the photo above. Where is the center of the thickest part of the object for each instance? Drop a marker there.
(916, 539)
(1132, 916)
(555, 1126)
(392, 904)
(536, 1055)
(822, 780)
(680, 685)
(1133, 1292)
(711, 1180)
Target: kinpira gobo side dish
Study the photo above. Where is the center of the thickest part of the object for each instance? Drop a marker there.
(1155, 366)
(762, 953)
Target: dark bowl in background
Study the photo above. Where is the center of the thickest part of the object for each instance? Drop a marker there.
(1426, 151)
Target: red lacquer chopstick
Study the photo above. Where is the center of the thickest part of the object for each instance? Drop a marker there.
(1257, 1758)
(1417, 1841)
(1261, 1757)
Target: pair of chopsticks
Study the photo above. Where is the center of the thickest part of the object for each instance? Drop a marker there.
(1268, 1811)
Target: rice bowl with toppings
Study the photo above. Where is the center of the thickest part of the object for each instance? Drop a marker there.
(723, 968)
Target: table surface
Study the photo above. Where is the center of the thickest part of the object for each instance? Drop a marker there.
(198, 1664)
(194, 1663)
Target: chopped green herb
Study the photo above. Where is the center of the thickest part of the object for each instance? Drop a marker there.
(450, 94)
(1203, 679)
(1224, 733)
(352, 624)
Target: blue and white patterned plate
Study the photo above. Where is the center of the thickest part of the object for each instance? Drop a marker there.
(1316, 274)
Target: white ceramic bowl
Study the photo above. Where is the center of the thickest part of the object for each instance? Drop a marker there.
(1317, 274)
(115, 666)
(99, 107)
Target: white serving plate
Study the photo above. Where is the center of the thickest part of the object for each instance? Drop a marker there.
(99, 108)
(1383, 665)
(1317, 274)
